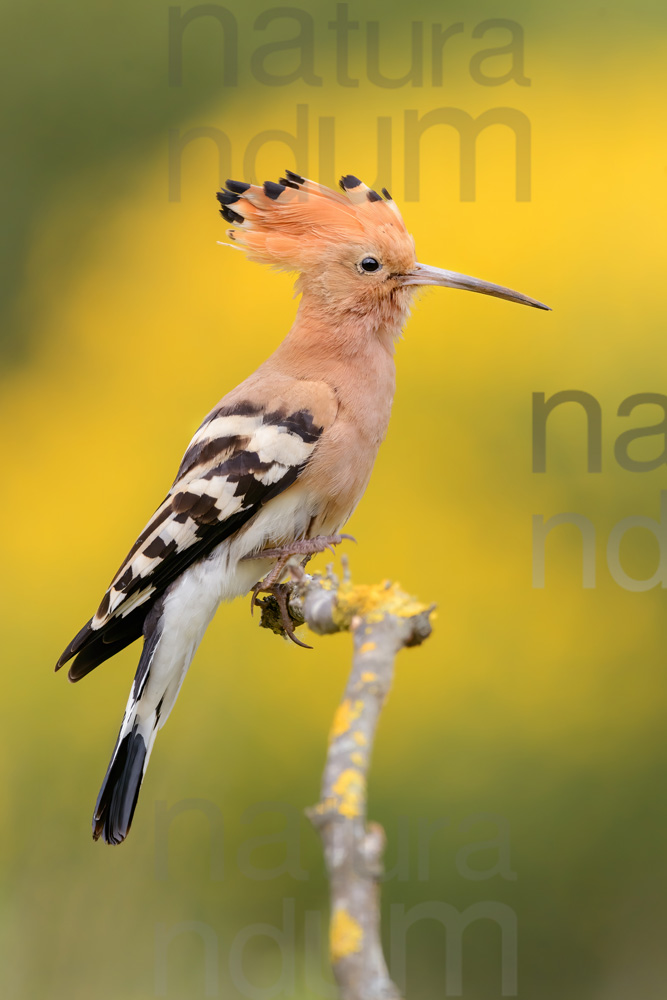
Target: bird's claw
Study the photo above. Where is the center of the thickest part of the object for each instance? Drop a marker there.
(279, 619)
(270, 584)
(300, 547)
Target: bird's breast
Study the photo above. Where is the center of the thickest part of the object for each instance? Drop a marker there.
(343, 461)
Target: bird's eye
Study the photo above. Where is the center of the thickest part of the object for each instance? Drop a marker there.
(370, 264)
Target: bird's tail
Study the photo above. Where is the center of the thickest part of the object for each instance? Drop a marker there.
(156, 685)
(118, 796)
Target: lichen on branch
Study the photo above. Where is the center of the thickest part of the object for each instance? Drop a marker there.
(383, 619)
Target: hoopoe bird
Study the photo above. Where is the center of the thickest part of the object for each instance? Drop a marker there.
(278, 466)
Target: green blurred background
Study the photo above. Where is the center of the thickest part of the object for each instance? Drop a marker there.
(533, 720)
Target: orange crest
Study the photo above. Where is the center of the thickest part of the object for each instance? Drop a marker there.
(296, 223)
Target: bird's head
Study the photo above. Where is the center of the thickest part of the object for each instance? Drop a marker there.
(351, 249)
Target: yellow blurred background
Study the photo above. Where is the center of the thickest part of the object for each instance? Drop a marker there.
(533, 720)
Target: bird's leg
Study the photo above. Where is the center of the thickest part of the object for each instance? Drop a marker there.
(301, 547)
(271, 583)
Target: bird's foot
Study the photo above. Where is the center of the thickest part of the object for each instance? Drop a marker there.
(280, 591)
(300, 547)
(277, 614)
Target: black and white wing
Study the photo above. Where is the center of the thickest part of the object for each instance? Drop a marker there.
(241, 457)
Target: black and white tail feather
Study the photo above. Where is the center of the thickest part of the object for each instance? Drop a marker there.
(119, 793)
(191, 555)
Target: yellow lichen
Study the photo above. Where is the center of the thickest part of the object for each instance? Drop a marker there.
(345, 715)
(368, 677)
(359, 739)
(349, 790)
(357, 758)
(368, 647)
(372, 602)
(325, 806)
(345, 935)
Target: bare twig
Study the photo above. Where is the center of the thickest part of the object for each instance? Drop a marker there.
(382, 619)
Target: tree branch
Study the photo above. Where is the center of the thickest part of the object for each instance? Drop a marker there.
(382, 620)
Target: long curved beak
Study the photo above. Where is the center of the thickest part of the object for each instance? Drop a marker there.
(422, 274)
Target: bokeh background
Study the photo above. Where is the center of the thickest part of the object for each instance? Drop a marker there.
(534, 719)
